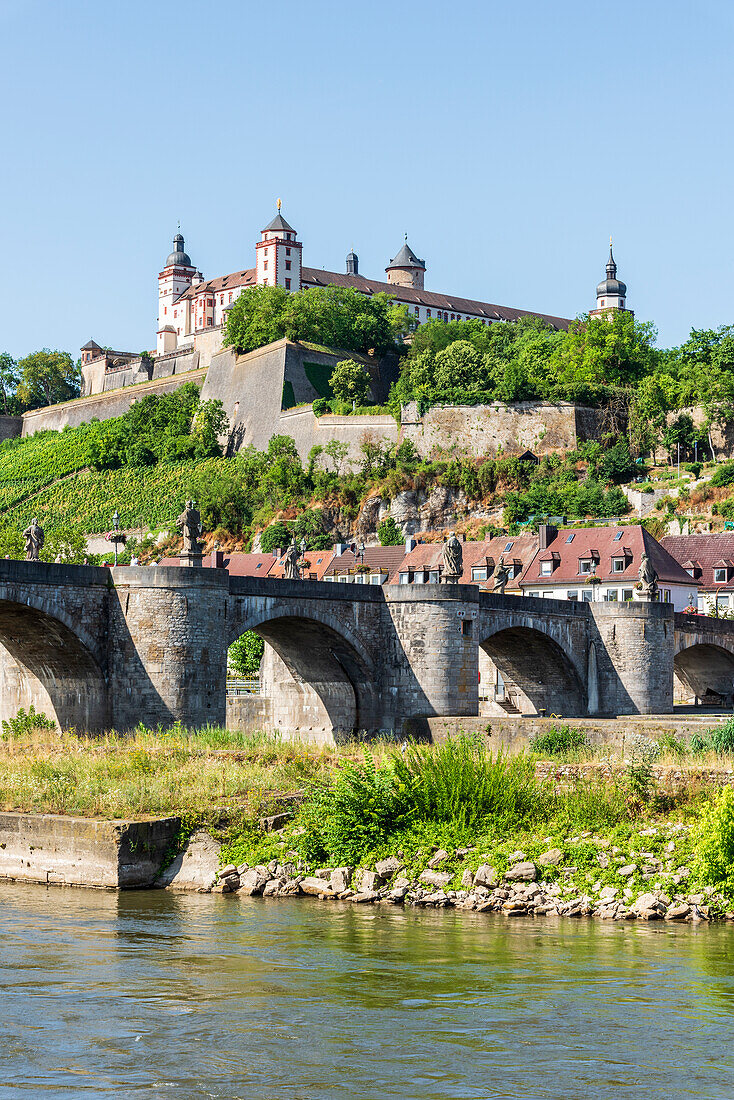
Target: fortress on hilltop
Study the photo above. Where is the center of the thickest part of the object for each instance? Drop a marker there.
(192, 310)
(270, 391)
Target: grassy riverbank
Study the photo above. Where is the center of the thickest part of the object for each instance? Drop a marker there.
(620, 824)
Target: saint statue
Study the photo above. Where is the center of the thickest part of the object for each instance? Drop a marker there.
(291, 572)
(648, 586)
(500, 577)
(34, 539)
(452, 560)
(190, 524)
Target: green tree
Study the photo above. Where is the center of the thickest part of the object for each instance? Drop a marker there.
(309, 525)
(350, 382)
(461, 367)
(604, 351)
(245, 654)
(208, 425)
(9, 378)
(222, 498)
(47, 377)
(389, 533)
(337, 451)
(275, 537)
(339, 317)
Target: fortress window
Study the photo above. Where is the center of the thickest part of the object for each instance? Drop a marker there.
(287, 284)
(287, 251)
(428, 313)
(287, 265)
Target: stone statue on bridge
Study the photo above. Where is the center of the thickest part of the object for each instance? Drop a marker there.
(189, 523)
(34, 539)
(291, 571)
(500, 577)
(648, 583)
(453, 557)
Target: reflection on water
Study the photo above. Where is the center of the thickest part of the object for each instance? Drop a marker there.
(153, 994)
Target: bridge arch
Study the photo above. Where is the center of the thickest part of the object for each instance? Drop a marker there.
(705, 667)
(315, 670)
(49, 663)
(535, 672)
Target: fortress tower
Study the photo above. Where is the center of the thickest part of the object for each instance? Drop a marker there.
(278, 255)
(177, 276)
(406, 269)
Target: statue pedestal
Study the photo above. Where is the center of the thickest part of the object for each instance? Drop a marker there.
(194, 561)
(450, 578)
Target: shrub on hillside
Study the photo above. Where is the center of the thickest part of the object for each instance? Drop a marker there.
(723, 474)
(559, 740)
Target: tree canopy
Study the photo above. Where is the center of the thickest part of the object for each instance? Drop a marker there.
(47, 377)
(338, 317)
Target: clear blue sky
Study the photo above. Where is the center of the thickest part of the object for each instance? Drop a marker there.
(508, 139)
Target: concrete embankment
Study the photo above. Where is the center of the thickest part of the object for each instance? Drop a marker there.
(79, 851)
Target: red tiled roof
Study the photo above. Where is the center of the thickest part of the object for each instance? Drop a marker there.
(236, 564)
(598, 543)
(314, 276)
(318, 563)
(429, 556)
(383, 558)
(704, 552)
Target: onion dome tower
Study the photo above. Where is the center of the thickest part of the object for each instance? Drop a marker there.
(611, 293)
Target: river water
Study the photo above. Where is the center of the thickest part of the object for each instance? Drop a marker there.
(150, 994)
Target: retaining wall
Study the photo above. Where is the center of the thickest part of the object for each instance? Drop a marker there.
(79, 851)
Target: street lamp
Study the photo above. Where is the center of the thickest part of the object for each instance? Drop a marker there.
(361, 552)
(115, 528)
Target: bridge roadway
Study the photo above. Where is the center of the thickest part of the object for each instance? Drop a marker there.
(108, 648)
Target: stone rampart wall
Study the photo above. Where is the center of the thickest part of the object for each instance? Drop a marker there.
(103, 406)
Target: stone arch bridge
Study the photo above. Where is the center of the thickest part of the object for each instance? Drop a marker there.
(107, 648)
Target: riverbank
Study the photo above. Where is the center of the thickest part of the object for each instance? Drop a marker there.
(555, 831)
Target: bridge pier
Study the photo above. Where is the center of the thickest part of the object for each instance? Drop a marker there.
(633, 654)
(167, 646)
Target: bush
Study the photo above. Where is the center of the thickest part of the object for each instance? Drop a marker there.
(320, 406)
(559, 740)
(461, 782)
(389, 533)
(724, 474)
(346, 816)
(276, 536)
(714, 843)
(26, 723)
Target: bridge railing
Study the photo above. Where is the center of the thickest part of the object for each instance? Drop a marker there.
(243, 687)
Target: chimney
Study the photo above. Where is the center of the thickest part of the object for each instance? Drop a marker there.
(339, 548)
(277, 552)
(546, 534)
(218, 559)
(410, 543)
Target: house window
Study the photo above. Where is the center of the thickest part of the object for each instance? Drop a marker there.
(720, 575)
(546, 568)
(547, 595)
(586, 596)
(433, 576)
(572, 594)
(571, 537)
(617, 565)
(627, 594)
(375, 578)
(585, 566)
(690, 572)
(209, 321)
(479, 574)
(230, 295)
(602, 301)
(405, 578)
(508, 547)
(722, 601)
(618, 536)
(611, 596)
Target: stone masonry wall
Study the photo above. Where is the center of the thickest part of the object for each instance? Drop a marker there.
(77, 851)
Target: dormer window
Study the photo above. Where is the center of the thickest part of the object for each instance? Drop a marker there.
(586, 565)
(546, 568)
(720, 576)
(618, 565)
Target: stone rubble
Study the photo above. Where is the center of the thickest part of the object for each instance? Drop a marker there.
(520, 891)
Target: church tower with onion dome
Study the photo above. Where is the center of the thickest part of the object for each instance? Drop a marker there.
(611, 293)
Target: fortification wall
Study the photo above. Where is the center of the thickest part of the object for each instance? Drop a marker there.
(536, 426)
(103, 406)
